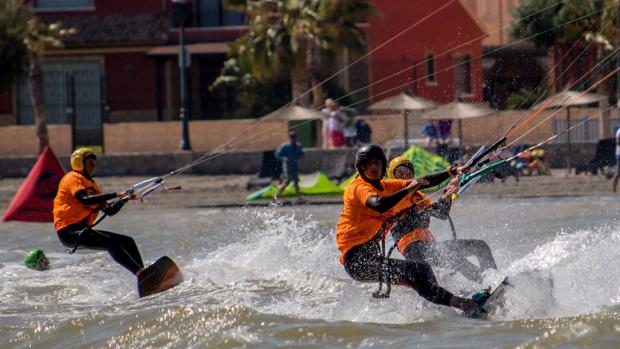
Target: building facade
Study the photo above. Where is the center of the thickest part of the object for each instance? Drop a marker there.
(435, 56)
(122, 65)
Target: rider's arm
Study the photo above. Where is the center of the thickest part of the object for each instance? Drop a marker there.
(438, 177)
(383, 204)
(85, 199)
(114, 207)
(441, 208)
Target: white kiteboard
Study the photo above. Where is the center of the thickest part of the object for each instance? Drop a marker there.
(160, 276)
(497, 299)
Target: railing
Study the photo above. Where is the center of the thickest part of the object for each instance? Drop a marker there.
(588, 132)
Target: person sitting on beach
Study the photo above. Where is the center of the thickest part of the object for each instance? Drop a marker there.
(368, 203)
(416, 242)
(289, 153)
(538, 163)
(76, 206)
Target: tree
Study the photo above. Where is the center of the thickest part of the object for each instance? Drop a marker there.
(296, 38)
(13, 53)
(27, 34)
(591, 22)
(255, 98)
(548, 23)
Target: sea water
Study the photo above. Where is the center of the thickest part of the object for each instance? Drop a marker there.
(270, 277)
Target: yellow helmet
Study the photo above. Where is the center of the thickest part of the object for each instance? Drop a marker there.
(78, 157)
(398, 161)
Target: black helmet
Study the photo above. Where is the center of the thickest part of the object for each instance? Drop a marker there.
(367, 153)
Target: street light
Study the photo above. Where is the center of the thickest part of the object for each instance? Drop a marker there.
(180, 13)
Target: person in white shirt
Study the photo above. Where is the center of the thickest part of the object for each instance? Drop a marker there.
(617, 177)
(334, 127)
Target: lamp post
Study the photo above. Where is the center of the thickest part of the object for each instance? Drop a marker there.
(180, 10)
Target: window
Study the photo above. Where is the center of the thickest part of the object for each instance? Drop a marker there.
(462, 75)
(55, 84)
(430, 67)
(211, 13)
(63, 4)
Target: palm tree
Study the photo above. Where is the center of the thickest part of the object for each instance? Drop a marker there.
(35, 38)
(567, 22)
(295, 38)
(591, 22)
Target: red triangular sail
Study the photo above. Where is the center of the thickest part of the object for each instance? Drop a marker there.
(35, 198)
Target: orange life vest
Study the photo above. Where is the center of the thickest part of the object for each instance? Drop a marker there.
(420, 201)
(359, 224)
(67, 209)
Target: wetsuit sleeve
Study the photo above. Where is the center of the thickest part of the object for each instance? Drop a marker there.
(83, 198)
(441, 209)
(436, 178)
(383, 204)
(113, 208)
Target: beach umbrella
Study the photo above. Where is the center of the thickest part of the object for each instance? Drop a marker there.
(404, 103)
(293, 113)
(569, 99)
(458, 111)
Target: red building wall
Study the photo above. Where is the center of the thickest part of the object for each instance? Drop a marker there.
(130, 81)
(571, 62)
(443, 31)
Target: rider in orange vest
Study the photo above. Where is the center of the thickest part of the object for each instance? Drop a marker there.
(76, 206)
(416, 242)
(368, 203)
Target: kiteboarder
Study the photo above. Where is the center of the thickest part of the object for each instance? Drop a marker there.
(37, 260)
(416, 242)
(76, 206)
(368, 203)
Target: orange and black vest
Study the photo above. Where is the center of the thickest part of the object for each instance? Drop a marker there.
(419, 231)
(359, 224)
(67, 209)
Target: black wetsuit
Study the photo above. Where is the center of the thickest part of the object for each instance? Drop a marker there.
(122, 248)
(449, 254)
(364, 262)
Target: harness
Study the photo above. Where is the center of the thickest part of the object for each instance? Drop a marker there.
(379, 239)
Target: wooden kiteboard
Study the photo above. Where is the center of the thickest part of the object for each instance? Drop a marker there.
(162, 275)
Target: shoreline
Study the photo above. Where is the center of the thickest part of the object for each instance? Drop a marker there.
(219, 191)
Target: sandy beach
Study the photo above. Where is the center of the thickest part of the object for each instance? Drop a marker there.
(226, 191)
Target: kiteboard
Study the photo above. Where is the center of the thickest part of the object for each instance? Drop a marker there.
(496, 299)
(162, 275)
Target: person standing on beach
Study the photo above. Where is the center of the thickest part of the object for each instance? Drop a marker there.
(336, 121)
(368, 203)
(617, 177)
(76, 206)
(289, 153)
